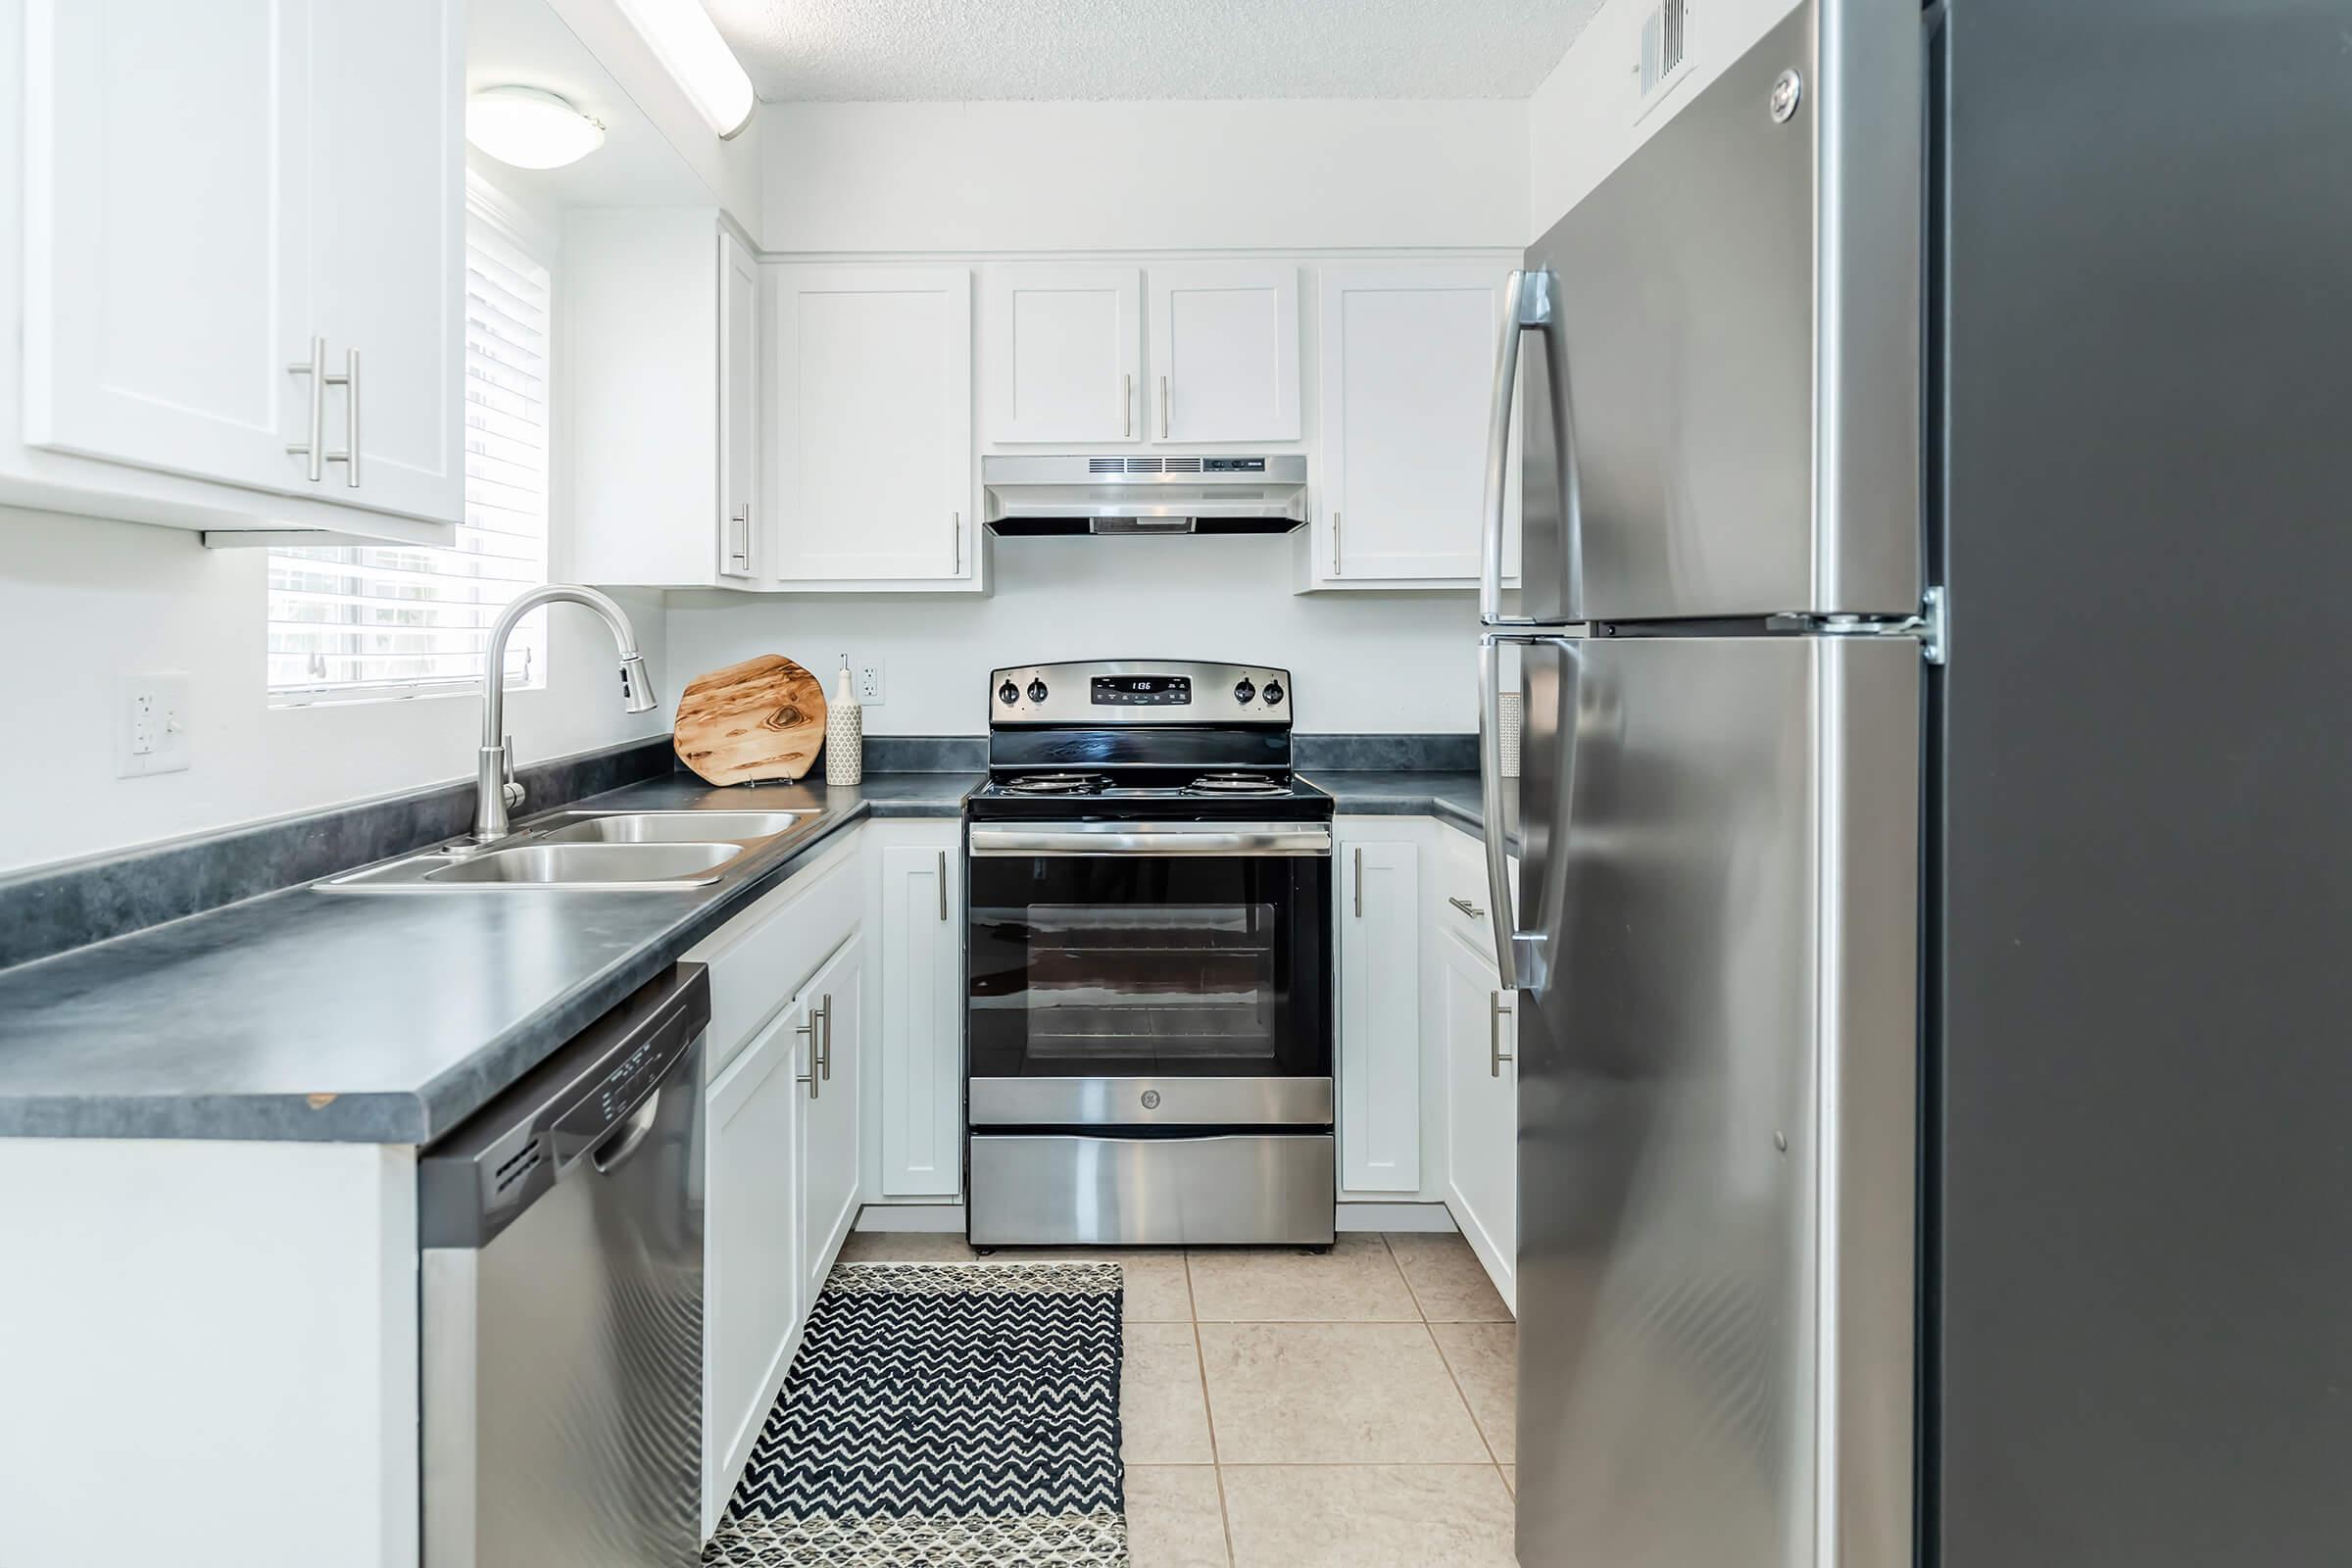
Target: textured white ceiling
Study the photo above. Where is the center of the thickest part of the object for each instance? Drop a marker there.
(952, 50)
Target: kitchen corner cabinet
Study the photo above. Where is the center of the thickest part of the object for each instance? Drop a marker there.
(917, 1012)
(831, 1010)
(869, 418)
(1064, 358)
(1225, 360)
(1379, 1070)
(1405, 385)
(1479, 1043)
(662, 337)
(752, 1301)
(246, 254)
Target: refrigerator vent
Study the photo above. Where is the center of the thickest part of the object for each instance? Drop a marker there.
(1665, 48)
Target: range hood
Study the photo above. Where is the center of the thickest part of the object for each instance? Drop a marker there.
(1105, 494)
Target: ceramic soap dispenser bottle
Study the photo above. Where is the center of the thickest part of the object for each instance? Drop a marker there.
(845, 730)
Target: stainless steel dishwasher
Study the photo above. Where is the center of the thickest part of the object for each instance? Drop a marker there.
(562, 1272)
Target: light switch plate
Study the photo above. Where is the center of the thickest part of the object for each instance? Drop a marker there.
(152, 720)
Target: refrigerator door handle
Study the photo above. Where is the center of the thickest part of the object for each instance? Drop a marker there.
(1519, 956)
(1526, 307)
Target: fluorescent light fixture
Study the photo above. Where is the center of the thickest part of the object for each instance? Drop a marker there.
(531, 128)
(686, 41)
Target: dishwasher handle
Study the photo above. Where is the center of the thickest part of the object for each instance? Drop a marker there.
(590, 1103)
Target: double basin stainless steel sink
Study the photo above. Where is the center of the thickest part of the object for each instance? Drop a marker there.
(592, 851)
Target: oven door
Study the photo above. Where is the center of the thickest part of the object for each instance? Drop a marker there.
(1138, 974)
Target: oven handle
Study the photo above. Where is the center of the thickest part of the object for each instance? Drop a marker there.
(1152, 838)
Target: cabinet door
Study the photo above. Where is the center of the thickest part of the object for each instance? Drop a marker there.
(388, 252)
(738, 522)
(1065, 351)
(1408, 379)
(1380, 1012)
(166, 233)
(1482, 1110)
(1225, 352)
(752, 1273)
(873, 408)
(921, 1050)
(829, 1112)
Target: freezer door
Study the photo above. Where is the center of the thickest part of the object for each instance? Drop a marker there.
(1736, 307)
(1717, 1058)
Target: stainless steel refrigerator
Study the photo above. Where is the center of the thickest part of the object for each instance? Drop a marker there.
(1915, 842)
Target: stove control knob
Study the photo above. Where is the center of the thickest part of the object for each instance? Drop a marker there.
(1273, 692)
(1037, 691)
(1009, 694)
(1243, 692)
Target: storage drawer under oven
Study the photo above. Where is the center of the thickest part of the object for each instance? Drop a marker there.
(1052, 1190)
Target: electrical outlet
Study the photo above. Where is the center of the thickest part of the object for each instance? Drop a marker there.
(151, 726)
(870, 682)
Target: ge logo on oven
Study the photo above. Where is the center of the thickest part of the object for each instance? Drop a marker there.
(1151, 1100)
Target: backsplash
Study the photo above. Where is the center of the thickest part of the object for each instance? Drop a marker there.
(55, 907)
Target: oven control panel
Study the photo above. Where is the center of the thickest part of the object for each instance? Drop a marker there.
(1139, 692)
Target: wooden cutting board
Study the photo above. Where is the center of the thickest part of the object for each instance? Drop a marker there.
(762, 719)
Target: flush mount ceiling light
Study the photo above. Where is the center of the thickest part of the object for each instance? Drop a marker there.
(531, 128)
(685, 39)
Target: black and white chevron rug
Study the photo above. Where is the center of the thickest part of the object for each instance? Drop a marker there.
(943, 1413)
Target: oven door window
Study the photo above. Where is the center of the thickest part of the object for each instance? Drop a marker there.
(1143, 966)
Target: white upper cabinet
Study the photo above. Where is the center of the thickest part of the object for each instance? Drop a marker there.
(1225, 352)
(209, 191)
(387, 247)
(1065, 347)
(739, 518)
(166, 233)
(869, 403)
(1406, 381)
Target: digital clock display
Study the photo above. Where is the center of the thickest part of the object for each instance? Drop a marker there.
(1137, 691)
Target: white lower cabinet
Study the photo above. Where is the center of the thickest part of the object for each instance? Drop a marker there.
(1380, 1012)
(1481, 1110)
(917, 926)
(752, 1299)
(780, 1171)
(832, 1008)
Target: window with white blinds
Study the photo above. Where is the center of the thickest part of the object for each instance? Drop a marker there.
(392, 620)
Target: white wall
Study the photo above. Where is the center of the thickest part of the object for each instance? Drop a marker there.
(1581, 119)
(1361, 661)
(1175, 176)
(85, 602)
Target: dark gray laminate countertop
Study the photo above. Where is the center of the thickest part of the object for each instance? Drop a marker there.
(368, 1018)
(1453, 799)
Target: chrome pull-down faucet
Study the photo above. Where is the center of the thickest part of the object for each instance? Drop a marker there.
(497, 792)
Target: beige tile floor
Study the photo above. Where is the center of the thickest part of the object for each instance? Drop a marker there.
(1282, 1407)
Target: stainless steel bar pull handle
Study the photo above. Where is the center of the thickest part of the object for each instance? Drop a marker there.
(1127, 405)
(943, 886)
(1496, 1054)
(808, 1031)
(313, 449)
(1359, 881)
(1163, 408)
(1334, 544)
(1528, 306)
(958, 569)
(1468, 909)
(351, 417)
(739, 550)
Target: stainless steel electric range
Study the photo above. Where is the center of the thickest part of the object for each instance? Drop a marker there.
(1149, 965)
